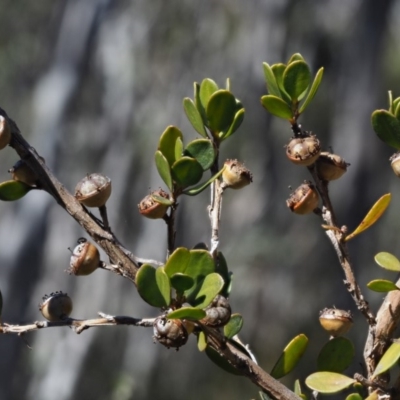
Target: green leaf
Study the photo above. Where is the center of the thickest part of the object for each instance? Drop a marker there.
(207, 89)
(201, 341)
(210, 287)
(181, 282)
(187, 313)
(13, 190)
(296, 79)
(177, 262)
(276, 106)
(290, 357)
(237, 121)
(373, 215)
(336, 355)
(228, 84)
(272, 85)
(388, 261)
(328, 382)
(394, 106)
(220, 361)
(199, 188)
(382, 286)
(200, 264)
(397, 112)
(161, 200)
(354, 396)
(295, 57)
(387, 361)
(221, 110)
(186, 172)
(194, 116)
(297, 388)
(153, 286)
(234, 326)
(387, 127)
(197, 103)
(178, 148)
(373, 396)
(222, 269)
(167, 143)
(203, 151)
(278, 70)
(163, 169)
(313, 90)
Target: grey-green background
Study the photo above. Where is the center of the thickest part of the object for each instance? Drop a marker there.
(92, 84)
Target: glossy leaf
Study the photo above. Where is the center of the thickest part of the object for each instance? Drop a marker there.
(297, 389)
(194, 116)
(163, 169)
(388, 261)
(395, 105)
(237, 121)
(387, 361)
(296, 79)
(197, 103)
(295, 57)
(167, 143)
(272, 85)
(397, 111)
(373, 396)
(387, 127)
(177, 262)
(222, 269)
(328, 382)
(186, 171)
(382, 286)
(13, 190)
(153, 286)
(210, 286)
(221, 110)
(234, 326)
(201, 341)
(178, 149)
(313, 90)
(163, 284)
(207, 88)
(200, 264)
(290, 357)
(276, 106)
(373, 215)
(203, 151)
(278, 70)
(181, 282)
(354, 396)
(187, 313)
(161, 200)
(220, 361)
(336, 355)
(193, 191)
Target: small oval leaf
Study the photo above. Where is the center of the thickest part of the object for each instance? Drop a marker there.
(276, 106)
(313, 90)
(290, 356)
(207, 88)
(199, 188)
(296, 57)
(354, 396)
(210, 287)
(278, 70)
(221, 110)
(234, 326)
(181, 282)
(203, 151)
(177, 262)
(161, 200)
(200, 264)
(387, 127)
(13, 190)
(296, 78)
(187, 313)
(163, 285)
(387, 361)
(382, 286)
(328, 382)
(388, 261)
(336, 355)
(186, 171)
(237, 121)
(194, 116)
(373, 215)
(163, 169)
(167, 143)
(272, 84)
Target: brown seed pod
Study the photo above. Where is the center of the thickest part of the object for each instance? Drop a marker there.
(218, 312)
(150, 208)
(304, 199)
(236, 175)
(303, 150)
(395, 163)
(93, 190)
(85, 258)
(170, 332)
(335, 322)
(330, 166)
(23, 173)
(5, 132)
(56, 306)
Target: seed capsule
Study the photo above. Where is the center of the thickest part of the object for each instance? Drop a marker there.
(330, 166)
(170, 332)
(236, 175)
(23, 173)
(303, 150)
(152, 209)
(56, 306)
(93, 190)
(395, 163)
(304, 199)
(335, 322)
(85, 258)
(5, 132)
(218, 312)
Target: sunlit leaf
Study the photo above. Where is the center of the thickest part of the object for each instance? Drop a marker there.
(382, 286)
(207, 88)
(295, 57)
(387, 127)
(354, 396)
(336, 355)
(272, 85)
(278, 70)
(328, 382)
(290, 357)
(387, 361)
(313, 90)
(163, 169)
(161, 200)
(178, 149)
(187, 313)
(177, 262)
(167, 142)
(201, 341)
(276, 106)
(388, 261)
(13, 190)
(186, 171)
(237, 121)
(373, 396)
(210, 287)
(203, 151)
(163, 284)
(194, 116)
(221, 110)
(296, 79)
(234, 326)
(373, 215)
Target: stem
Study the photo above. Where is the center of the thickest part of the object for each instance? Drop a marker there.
(104, 217)
(171, 233)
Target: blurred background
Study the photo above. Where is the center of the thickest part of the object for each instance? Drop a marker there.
(92, 85)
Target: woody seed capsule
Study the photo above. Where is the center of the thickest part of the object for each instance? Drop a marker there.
(93, 190)
(335, 322)
(330, 166)
(85, 258)
(170, 332)
(218, 312)
(303, 150)
(236, 175)
(56, 306)
(152, 209)
(304, 199)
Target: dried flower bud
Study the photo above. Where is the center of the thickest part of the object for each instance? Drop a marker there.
(304, 199)
(218, 312)
(395, 163)
(331, 166)
(56, 306)
(170, 332)
(85, 258)
(152, 209)
(335, 322)
(303, 150)
(236, 175)
(5, 132)
(93, 190)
